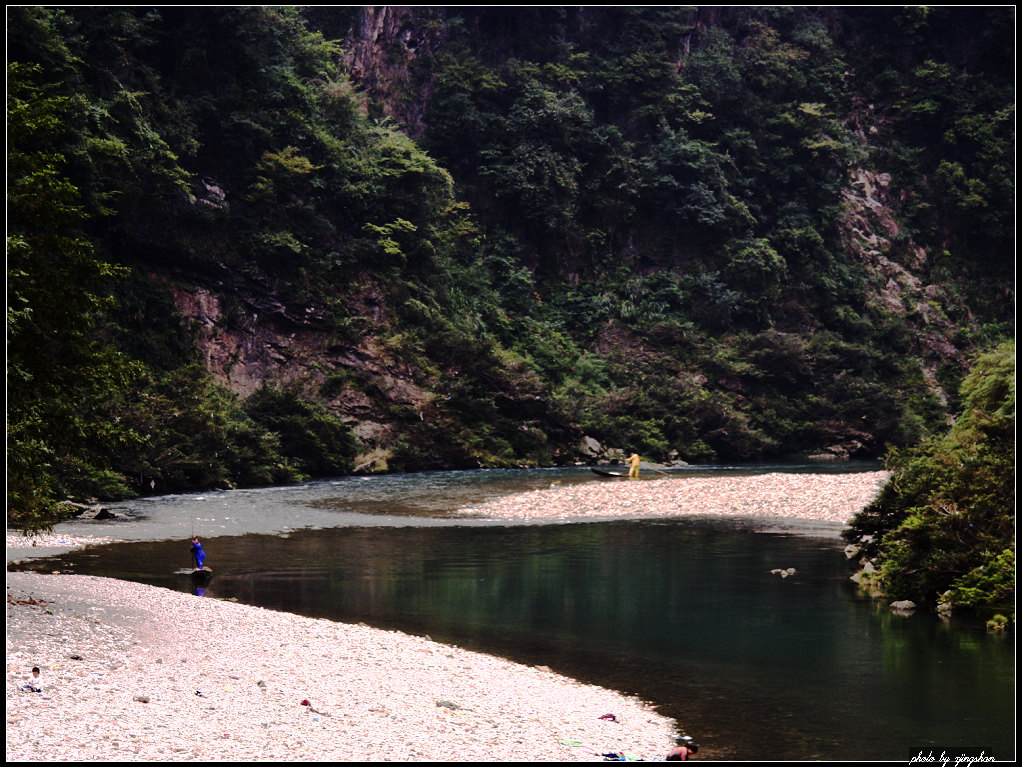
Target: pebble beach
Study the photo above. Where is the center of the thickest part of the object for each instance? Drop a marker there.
(137, 673)
(831, 498)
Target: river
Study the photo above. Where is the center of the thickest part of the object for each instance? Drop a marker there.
(684, 613)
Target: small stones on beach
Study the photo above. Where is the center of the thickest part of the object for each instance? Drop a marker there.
(832, 498)
(51, 540)
(378, 695)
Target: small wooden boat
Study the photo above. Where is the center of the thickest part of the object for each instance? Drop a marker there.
(605, 473)
(203, 574)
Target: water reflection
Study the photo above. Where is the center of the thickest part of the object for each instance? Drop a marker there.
(683, 613)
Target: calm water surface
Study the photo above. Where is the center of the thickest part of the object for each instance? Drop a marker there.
(683, 613)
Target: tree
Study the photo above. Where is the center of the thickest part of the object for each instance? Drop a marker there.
(59, 374)
(310, 436)
(943, 528)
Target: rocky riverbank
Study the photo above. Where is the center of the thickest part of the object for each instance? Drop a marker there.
(136, 673)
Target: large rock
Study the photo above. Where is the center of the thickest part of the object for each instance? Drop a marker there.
(86, 510)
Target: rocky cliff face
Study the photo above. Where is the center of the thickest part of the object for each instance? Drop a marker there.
(381, 52)
(869, 227)
(247, 338)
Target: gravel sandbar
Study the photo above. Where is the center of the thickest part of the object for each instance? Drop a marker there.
(832, 498)
(137, 673)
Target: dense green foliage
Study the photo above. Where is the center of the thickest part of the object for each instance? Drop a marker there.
(626, 223)
(943, 529)
(104, 396)
(685, 180)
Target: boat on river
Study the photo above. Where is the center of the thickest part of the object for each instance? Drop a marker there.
(606, 473)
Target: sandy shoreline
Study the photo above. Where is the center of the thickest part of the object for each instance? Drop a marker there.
(138, 673)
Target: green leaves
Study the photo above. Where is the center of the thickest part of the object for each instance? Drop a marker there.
(944, 526)
(759, 272)
(388, 238)
(309, 435)
(286, 178)
(60, 376)
(536, 162)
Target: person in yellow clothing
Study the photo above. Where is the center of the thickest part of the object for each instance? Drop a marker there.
(633, 466)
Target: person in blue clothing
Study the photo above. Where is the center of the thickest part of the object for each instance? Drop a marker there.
(198, 554)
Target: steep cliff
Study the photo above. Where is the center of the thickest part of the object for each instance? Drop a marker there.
(381, 52)
(881, 277)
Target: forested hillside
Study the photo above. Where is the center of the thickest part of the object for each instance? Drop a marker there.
(248, 244)
(943, 529)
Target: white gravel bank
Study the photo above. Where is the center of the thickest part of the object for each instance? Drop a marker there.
(123, 666)
(47, 544)
(820, 497)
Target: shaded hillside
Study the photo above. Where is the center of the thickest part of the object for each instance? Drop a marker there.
(737, 205)
(252, 244)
